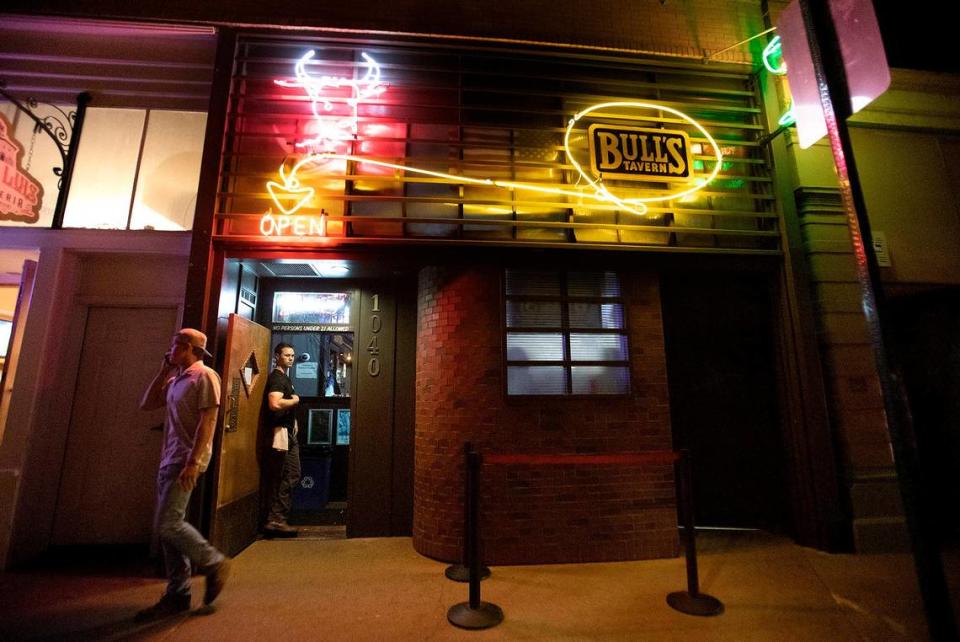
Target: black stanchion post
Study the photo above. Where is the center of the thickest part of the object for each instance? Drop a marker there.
(461, 572)
(689, 525)
(473, 521)
(474, 614)
(691, 601)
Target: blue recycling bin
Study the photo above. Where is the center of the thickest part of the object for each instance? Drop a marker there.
(313, 491)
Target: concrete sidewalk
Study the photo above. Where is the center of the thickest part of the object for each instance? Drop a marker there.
(380, 589)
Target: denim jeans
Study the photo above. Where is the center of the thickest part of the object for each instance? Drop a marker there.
(182, 544)
(284, 474)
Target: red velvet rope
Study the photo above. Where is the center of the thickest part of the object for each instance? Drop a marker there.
(651, 457)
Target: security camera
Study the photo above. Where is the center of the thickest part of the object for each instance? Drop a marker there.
(305, 356)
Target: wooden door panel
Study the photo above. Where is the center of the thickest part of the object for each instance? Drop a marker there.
(236, 467)
(111, 459)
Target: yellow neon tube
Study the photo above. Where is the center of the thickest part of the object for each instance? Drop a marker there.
(701, 183)
(292, 184)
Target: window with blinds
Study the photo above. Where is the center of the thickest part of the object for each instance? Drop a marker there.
(565, 334)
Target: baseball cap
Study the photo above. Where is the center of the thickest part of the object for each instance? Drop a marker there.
(193, 338)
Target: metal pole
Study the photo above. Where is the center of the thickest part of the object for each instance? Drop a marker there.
(70, 161)
(460, 572)
(474, 614)
(691, 601)
(473, 522)
(742, 42)
(825, 51)
(686, 497)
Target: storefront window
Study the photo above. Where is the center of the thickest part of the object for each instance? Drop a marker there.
(166, 194)
(136, 169)
(565, 334)
(103, 178)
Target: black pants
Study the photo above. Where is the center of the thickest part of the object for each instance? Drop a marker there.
(283, 469)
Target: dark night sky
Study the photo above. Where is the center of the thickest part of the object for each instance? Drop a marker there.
(919, 35)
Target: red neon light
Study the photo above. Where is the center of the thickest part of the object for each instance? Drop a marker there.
(298, 225)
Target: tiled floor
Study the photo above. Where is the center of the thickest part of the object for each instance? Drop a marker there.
(380, 589)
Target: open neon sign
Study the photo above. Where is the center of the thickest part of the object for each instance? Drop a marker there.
(289, 194)
(293, 225)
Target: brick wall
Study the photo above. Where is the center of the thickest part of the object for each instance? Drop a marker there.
(535, 514)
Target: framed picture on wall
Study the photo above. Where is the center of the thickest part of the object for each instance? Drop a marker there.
(320, 427)
(343, 426)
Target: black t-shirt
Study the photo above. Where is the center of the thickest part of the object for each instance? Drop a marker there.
(279, 382)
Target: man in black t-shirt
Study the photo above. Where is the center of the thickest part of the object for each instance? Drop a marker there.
(282, 468)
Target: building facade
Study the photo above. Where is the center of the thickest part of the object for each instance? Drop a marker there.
(542, 231)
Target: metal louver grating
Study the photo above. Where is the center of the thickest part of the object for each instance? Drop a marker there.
(487, 114)
(290, 269)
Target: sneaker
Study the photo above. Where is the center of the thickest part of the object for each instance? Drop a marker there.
(215, 580)
(169, 604)
(281, 528)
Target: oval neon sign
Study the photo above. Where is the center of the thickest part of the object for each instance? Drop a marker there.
(637, 205)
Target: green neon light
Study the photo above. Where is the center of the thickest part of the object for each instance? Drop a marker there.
(773, 50)
(788, 118)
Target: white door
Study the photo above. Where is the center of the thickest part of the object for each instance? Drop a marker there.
(113, 448)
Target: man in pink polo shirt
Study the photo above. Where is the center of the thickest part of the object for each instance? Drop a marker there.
(191, 393)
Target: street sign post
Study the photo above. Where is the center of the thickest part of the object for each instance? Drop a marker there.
(834, 54)
(864, 62)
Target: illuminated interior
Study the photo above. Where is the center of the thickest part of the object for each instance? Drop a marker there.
(137, 169)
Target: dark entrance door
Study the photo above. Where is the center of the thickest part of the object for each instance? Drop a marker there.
(722, 374)
(323, 378)
(925, 335)
(355, 375)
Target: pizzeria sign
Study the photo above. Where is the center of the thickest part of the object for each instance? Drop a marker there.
(21, 195)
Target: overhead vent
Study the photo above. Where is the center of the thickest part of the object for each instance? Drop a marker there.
(123, 64)
(290, 269)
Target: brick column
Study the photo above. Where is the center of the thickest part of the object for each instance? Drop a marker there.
(854, 398)
(535, 514)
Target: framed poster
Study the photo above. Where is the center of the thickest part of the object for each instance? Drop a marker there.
(320, 427)
(343, 426)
